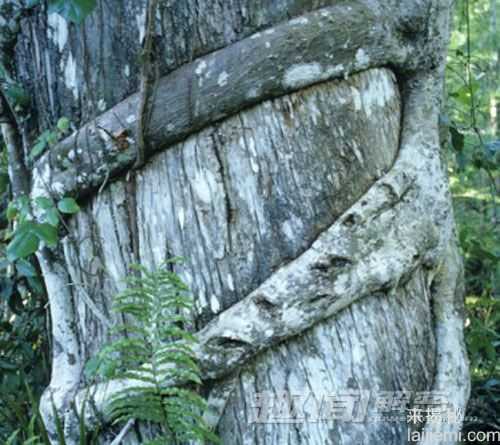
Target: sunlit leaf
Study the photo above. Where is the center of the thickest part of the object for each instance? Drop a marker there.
(63, 124)
(24, 243)
(46, 233)
(25, 268)
(68, 205)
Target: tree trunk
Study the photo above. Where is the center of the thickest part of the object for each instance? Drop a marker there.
(294, 162)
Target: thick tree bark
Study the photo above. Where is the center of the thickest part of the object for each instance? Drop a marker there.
(294, 162)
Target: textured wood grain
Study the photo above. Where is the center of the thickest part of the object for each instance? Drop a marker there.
(313, 213)
(236, 201)
(322, 45)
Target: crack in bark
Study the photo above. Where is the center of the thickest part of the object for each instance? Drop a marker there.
(217, 143)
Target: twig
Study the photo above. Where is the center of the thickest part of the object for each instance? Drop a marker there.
(118, 439)
(146, 87)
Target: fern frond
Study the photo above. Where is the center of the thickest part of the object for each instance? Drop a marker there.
(157, 352)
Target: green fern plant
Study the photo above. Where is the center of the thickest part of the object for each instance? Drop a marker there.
(155, 348)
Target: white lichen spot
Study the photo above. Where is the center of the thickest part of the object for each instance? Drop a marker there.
(214, 304)
(230, 282)
(181, 217)
(58, 30)
(41, 177)
(291, 227)
(131, 118)
(200, 68)
(255, 165)
(299, 21)
(287, 229)
(356, 98)
(301, 75)
(358, 353)
(222, 79)
(72, 155)
(70, 76)
(126, 70)
(252, 147)
(357, 152)
(362, 59)
(256, 35)
(203, 184)
(253, 93)
(141, 24)
(333, 71)
(58, 187)
(314, 111)
(268, 333)
(82, 178)
(101, 105)
(377, 93)
(202, 300)
(269, 31)
(268, 45)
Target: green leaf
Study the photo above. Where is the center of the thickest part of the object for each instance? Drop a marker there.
(63, 124)
(52, 217)
(18, 95)
(50, 213)
(24, 243)
(25, 268)
(6, 287)
(23, 205)
(38, 148)
(91, 368)
(46, 233)
(12, 438)
(44, 203)
(11, 211)
(72, 10)
(52, 138)
(68, 205)
(36, 285)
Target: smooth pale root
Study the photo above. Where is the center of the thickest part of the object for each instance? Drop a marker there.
(301, 75)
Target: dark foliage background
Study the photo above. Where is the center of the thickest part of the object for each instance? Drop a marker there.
(472, 129)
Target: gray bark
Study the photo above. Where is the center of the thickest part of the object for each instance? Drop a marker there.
(294, 162)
